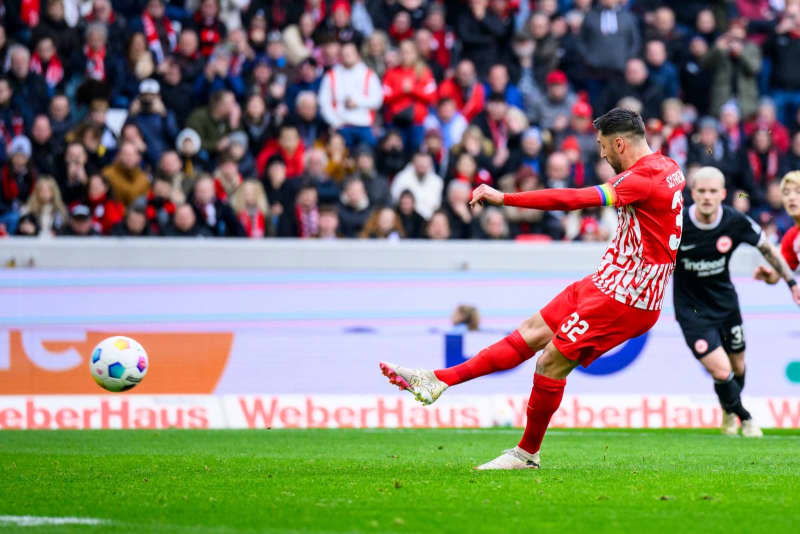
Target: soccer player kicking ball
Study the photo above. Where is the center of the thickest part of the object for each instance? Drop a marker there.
(620, 301)
(706, 305)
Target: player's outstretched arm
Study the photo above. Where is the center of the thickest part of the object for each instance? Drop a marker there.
(780, 269)
(547, 199)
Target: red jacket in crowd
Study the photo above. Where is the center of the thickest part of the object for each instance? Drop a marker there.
(294, 162)
(468, 106)
(404, 87)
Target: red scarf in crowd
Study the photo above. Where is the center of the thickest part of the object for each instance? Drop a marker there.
(307, 222)
(95, 63)
(54, 72)
(14, 187)
(151, 34)
(254, 225)
(30, 12)
(760, 174)
(210, 35)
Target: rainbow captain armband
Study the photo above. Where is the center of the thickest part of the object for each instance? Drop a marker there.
(607, 194)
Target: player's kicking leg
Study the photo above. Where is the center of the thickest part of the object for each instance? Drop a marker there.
(728, 390)
(427, 386)
(552, 369)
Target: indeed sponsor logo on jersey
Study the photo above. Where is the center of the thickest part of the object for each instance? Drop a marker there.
(676, 178)
(704, 267)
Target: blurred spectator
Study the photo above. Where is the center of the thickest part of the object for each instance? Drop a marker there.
(80, 222)
(29, 89)
(783, 48)
(765, 163)
(158, 30)
(17, 178)
(553, 108)
(766, 119)
(793, 157)
(735, 63)
(463, 220)
(390, 158)
(59, 113)
(193, 158)
(413, 223)
(438, 227)
(328, 223)
(339, 163)
(212, 213)
(156, 123)
(106, 212)
(251, 207)
(28, 226)
(215, 121)
(662, 72)
(733, 132)
(303, 220)
(159, 208)
(464, 90)
(289, 147)
(354, 207)
(636, 84)
(74, 178)
(480, 31)
(499, 82)
(418, 178)
(695, 77)
(408, 90)
(46, 63)
(45, 149)
(280, 193)
(557, 174)
(609, 37)
(545, 54)
(133, 225)
(128, 181)
(493, 224)
(383, 223)
(185, 224)
(350, 95)
(448, 121)
(46, 207)
(376, 184)
(53, 24)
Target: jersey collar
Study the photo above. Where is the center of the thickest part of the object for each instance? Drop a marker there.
(705, 226)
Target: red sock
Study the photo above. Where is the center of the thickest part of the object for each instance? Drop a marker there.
(505, 354)
(545, 400)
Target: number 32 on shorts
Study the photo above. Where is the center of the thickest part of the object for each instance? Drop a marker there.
(574, 326)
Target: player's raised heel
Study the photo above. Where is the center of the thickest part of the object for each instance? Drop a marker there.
(729, 424)
(751, 430)
(422, 383)
(515, 458)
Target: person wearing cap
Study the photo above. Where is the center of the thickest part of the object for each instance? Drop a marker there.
(127, 180)
(156, 123)
(17, 179)
(349, 97)
(580, 127)
(555, 103)
(194, 159)
(80, 222)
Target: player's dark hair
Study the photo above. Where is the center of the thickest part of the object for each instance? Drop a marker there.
(620, 121)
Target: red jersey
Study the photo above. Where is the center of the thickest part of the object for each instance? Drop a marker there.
(639, 261)
(790, 247)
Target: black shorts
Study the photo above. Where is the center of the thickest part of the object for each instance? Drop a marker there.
(704, 337)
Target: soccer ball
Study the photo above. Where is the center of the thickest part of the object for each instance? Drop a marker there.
(118, 363)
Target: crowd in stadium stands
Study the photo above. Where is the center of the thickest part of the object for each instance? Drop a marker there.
(376, 118)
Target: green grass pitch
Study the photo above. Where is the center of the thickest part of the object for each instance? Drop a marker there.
(400, 481)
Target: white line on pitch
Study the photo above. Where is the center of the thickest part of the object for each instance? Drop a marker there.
(35, 521)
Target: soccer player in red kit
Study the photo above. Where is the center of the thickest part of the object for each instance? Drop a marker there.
(620, 301)
(790, 244)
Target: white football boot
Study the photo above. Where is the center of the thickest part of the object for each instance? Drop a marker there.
(751, 430)
(515, 458)
(421, 382)
(729, 424)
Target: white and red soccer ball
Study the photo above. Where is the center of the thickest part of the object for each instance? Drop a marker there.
(118, 363)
